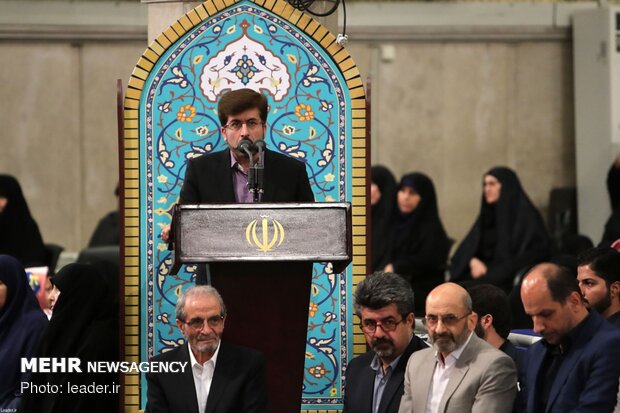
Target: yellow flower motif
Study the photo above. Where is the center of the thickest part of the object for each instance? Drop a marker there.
(162, 200)
(329, 198)
(333, 392)
(291, 58)
(313, 309)
(186, 113)
(162, 179)
(329, 177)
(162, 247)
(304, 112)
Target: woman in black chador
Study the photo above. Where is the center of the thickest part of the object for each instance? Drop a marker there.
(508, 235)
(418, 245)
(383, 203)
(19, 233)
(84, 324)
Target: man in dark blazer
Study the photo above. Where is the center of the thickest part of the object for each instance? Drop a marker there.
(223, 176)
(218, 377)
(575, 367)
(384, 303)
(492, 306)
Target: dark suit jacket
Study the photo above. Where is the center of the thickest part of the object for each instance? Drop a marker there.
(238, 383)
(208, 179)
(360, 382)
(587, 380)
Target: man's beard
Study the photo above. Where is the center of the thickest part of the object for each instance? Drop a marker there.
(383, 347)
(480, 331)
(206, 347)
(602, 305)
(447, 343)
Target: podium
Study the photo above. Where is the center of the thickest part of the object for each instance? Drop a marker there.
(259, 257)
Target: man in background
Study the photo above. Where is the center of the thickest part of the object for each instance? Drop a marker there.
(491, 305)
(598, 273)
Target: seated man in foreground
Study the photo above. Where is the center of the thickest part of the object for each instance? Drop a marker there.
(219, 377)
(575, 367)
(461, 373)
(374, 381)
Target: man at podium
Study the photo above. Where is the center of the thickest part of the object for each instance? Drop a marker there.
(222, 177)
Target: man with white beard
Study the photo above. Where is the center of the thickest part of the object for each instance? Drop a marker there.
(461, 373)
(374, 380)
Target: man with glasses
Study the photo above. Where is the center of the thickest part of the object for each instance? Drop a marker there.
(461, 373)
(223, 176)
(374, 381)
(218, 377)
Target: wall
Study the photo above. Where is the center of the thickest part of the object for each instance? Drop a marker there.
(456, 89)
(58, 109)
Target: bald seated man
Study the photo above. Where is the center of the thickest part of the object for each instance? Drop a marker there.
(461, 372)
(575, 367)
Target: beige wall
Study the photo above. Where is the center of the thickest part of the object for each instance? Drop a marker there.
(59, 134)
(450, 101)
(454, 109)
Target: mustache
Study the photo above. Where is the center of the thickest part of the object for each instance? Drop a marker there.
(381, 340)
(442, 335)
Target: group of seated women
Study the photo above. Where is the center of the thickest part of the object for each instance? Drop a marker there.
(408, 237)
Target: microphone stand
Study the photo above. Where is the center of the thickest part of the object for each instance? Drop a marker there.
(259, 168)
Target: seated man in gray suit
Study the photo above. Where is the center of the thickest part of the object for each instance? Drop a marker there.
(461, 373)
(374, 380)
(218, 377)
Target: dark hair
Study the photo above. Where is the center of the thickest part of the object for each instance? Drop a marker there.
(489, 299)
(603, 261)
(560, 281)
(237, 101)
(381, 289)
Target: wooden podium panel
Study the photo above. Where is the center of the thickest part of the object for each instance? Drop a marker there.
(262, 232)
(259, 258)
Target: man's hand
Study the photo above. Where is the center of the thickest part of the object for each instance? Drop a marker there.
(477, 268)
(165, 233)
(388, 268)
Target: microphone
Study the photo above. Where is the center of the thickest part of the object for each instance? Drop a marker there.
(247, 146)
(260, 145)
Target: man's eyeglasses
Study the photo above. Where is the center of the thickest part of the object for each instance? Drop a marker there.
(198, 323)
(447, 320)
(237, 124)
(370, 326)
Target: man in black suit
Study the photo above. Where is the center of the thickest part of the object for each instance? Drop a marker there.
(218, 377)
(374, 381)
(494, 319)
(222, 177)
